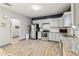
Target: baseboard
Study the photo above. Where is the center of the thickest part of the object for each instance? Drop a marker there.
(15, 36)
(33, 39)
(5, 45)
(22, 39)
(53, 41)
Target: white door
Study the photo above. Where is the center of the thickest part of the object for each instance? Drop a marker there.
(15, 27)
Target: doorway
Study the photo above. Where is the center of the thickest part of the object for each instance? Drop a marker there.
(15, 30)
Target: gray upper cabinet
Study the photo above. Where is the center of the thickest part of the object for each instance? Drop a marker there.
(76, 13)
(55, 23)
(61, 22)
(67, 19)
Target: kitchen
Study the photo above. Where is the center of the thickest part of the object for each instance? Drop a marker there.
(54, 26)
(58, 29)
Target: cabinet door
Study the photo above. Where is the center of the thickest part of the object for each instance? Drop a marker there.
(56, 23)
(58, 37)
(52, 36)
(61, 21)
(67, 20)
(76, 11)
(39, 35)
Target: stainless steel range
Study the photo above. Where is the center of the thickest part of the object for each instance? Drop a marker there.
(45, 35)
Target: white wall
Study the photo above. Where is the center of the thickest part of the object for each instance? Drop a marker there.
(5, 32)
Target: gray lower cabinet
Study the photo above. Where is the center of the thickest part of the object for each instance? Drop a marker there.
(39, 35)
(54, 36)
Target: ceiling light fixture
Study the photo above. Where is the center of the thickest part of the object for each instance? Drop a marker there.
(36, 7)
(5, 16)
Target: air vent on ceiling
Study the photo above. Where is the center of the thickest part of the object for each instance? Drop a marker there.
(7, 4)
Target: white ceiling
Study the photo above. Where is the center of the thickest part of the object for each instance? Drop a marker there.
(45, 8)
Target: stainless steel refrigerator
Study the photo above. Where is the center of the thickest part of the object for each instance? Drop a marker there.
(33, 31)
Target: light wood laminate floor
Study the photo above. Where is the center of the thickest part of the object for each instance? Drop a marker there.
(32, 48)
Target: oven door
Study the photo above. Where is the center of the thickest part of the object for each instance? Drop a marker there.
(45, 36)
